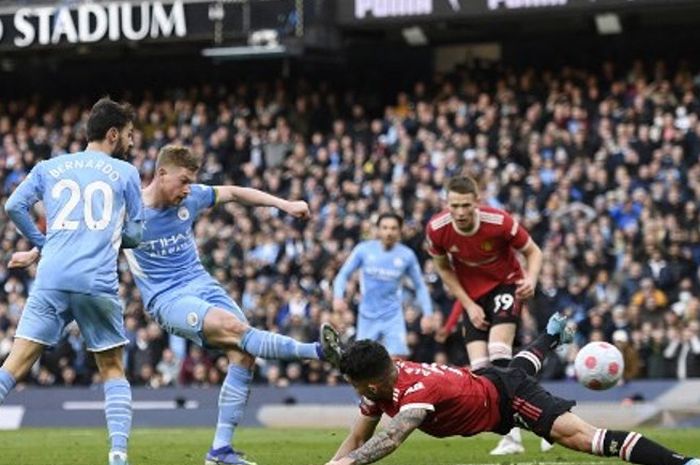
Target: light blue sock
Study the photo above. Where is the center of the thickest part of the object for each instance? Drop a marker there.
(118, 412)
(232, 400)
(265, 344)
(7, 382)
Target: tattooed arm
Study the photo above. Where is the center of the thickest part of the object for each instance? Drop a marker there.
(386, 441)
(361, 431)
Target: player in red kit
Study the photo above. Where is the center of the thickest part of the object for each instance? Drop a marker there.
(446, 401)
(474, 250)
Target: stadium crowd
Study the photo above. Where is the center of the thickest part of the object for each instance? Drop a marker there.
(600, 165)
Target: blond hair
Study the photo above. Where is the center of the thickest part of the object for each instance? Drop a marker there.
(177, 155)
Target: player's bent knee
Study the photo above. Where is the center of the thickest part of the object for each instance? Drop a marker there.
(242, 359)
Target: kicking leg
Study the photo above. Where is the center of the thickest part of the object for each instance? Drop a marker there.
(222, 329)
(530, 359)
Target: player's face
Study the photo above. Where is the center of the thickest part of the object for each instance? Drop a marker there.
(124, 141)
(389, 232)
(463, 209)
(175, 183)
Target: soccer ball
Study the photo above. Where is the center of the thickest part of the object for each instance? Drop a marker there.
(599, 366)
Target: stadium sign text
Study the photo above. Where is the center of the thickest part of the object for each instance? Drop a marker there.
(94, 22)
(516, 4)
(355, 12)
(392, 8)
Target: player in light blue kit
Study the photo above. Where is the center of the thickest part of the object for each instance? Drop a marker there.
(383, 263)
(93, 206)
(185, 300)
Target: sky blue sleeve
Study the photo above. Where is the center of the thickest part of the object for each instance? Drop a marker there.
(351, 264)
(203, 197)
(422, 294)
(133, 226)
(21, 201)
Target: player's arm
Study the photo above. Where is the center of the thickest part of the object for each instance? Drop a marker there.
(132, 231)
(533, 258)
(387, 441)
(258, 198)
(361, 431)
(21, 201)
(340, 282)
(449, 278)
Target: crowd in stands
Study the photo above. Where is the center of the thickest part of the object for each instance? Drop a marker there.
(600, 165)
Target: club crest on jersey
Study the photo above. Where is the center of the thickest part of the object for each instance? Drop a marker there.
(487, 246)
(454, 249)
(183, 213)
(398, 262)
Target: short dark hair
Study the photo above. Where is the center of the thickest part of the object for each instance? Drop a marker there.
(365, 360)
(107, 114)
(462, 185)
(391, 215)
(177, 155)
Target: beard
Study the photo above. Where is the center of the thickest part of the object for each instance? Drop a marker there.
(120, 151)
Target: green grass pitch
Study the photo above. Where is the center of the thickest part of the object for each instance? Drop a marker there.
(286, 447)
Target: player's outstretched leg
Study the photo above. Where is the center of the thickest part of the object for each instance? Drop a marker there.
(269, 345)
(571, 431)
(530, 359)
(232, 401)
(223, 329)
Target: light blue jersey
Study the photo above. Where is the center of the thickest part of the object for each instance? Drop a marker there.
(382, 272)
(90, 199)
(176, 289)
(167, 258)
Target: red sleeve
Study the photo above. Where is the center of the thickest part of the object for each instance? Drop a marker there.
(369, 408)
(453, 319)
(432, 240)
(513, 233)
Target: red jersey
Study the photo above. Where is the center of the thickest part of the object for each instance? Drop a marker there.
(459, 402)
(483, 258)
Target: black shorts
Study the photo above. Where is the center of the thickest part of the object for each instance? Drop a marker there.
(500, 306)
(524, 402)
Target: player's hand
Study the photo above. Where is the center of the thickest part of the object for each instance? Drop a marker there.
(298, 209)
(477, 316)
(340, 306)
(23, 259)
(525, 289)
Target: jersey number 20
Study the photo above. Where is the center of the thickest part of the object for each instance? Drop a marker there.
(62, 221)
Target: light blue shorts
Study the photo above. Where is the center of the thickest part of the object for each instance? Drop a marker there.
(99, 317)
(182, 311)
(390, 332)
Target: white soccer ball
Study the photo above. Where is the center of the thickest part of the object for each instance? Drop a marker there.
(599, 366)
